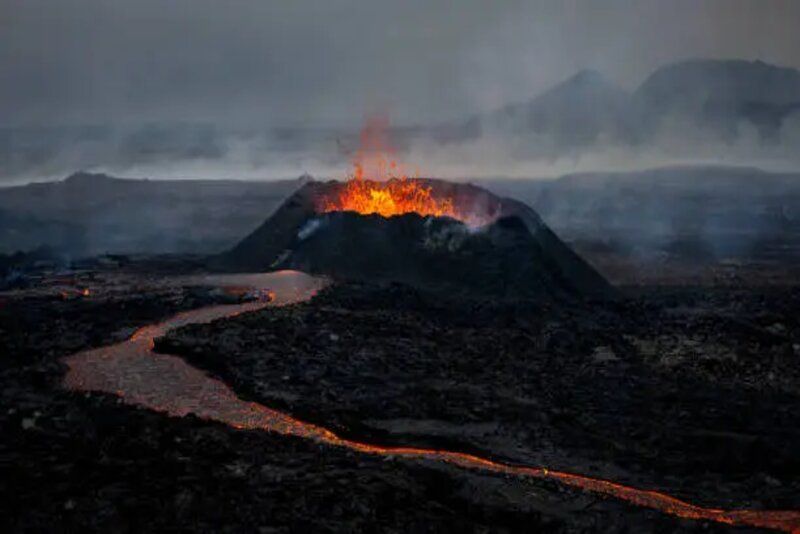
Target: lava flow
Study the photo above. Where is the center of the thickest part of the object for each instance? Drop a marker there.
(167, 384)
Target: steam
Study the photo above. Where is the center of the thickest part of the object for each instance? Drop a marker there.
(536, 157)
(309, 228)
(266, 90)
(270, 155)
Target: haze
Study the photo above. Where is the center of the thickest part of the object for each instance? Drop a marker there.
(252, 66)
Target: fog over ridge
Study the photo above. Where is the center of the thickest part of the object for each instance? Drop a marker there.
(265, 90)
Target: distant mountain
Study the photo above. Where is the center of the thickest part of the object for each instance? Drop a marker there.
(587, 109)
(725, 211)
(580, 111)
(95, 213)
(24, 232)
(722, 93)
(692, 84)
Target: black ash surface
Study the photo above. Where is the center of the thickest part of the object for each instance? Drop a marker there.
(76, 462)
(691, 392)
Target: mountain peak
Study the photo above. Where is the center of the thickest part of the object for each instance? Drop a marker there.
(587, 76)
(586, 85)
(82, 178)
(585, 80)
(731, 80)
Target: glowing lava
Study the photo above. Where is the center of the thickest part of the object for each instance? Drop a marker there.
(379, 185)
(393, 197)
(167, 384)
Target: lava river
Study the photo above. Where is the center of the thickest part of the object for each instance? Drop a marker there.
(166, 383)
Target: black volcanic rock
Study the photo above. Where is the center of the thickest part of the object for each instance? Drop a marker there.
(516, 255)
(90, 213)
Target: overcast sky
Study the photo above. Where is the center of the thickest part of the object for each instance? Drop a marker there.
(332, 61)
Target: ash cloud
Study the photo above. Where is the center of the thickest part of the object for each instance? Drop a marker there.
(264, 90)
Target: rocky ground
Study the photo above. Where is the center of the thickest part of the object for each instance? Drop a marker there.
(693, 391)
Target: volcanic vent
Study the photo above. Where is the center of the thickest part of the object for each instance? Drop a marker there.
(419, 231)
(382, 225)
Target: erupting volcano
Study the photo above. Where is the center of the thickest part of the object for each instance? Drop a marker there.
(382, 225)
(379, 185)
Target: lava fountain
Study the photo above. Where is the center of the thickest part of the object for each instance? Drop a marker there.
(378, 184)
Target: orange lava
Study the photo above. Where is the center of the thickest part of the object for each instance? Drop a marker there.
(379, 185)
(393, 197)
(166, 383)
(68, 294)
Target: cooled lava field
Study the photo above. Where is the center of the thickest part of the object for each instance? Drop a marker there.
(408, 355)
(691, 392)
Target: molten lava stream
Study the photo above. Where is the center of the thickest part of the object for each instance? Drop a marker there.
(167, 384)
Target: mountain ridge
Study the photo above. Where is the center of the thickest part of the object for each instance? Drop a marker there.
(716, 95)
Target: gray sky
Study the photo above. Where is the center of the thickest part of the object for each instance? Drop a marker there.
(332, 61)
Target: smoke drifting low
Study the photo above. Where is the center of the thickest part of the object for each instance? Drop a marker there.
(491, 156)
(202, 152)
(263, 90)
(167, 152)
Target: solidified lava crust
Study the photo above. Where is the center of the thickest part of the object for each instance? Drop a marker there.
(166, 383)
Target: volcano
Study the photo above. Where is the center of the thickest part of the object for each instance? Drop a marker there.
(423, 232)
